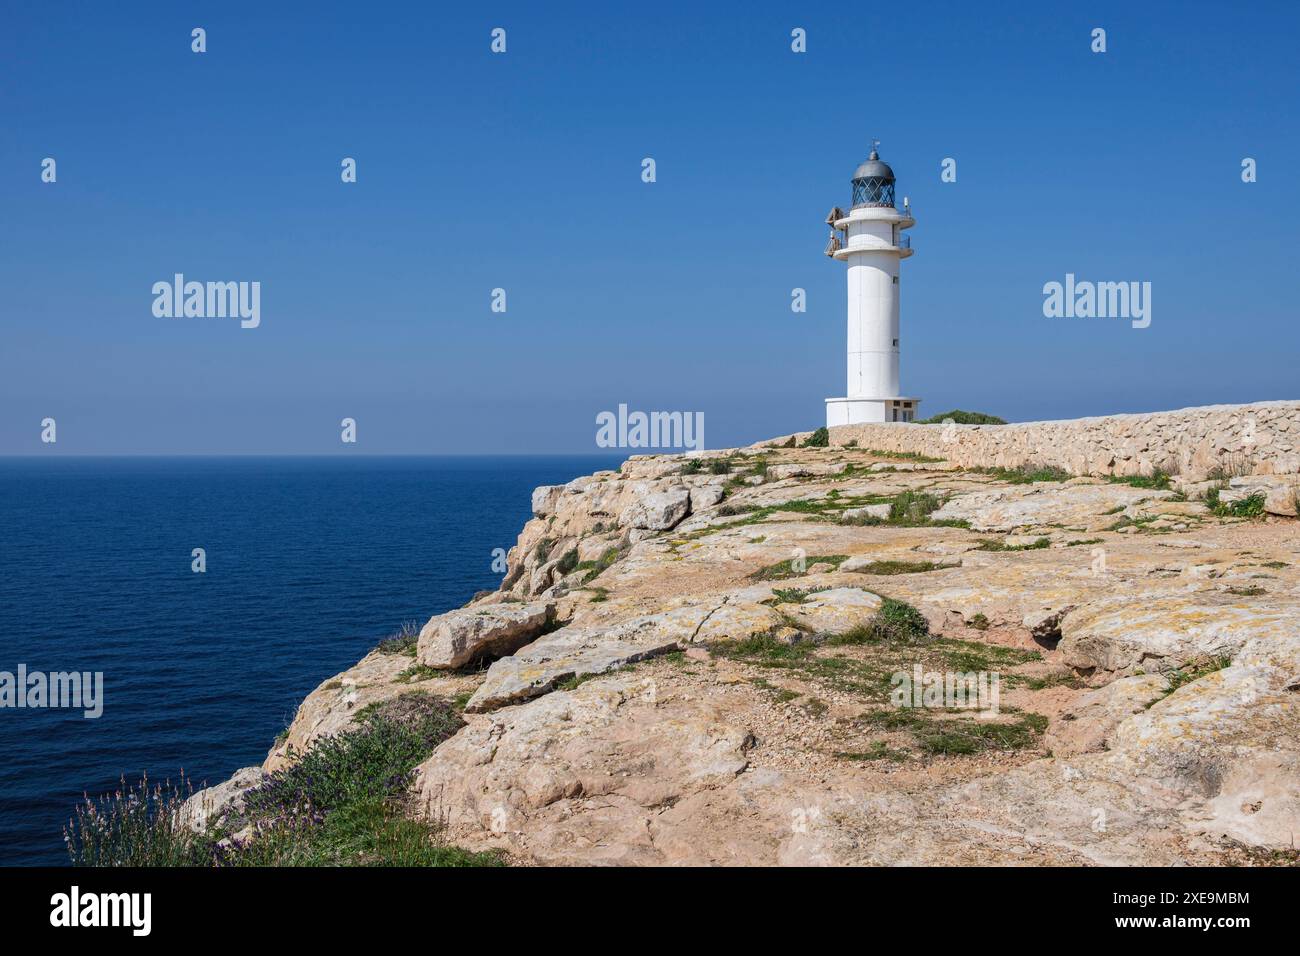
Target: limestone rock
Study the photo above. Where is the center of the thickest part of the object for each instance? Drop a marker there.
(459, 637)
(716, 757)
(835, 611)
(1281, 492)
(1043, 503)
(209, 807)
(580, 652)
(545, 498)
(582, 776)
(705, 496)
(657, 510)
(1087, 723)
(1117, 634)
(880, 511)
(804, 470)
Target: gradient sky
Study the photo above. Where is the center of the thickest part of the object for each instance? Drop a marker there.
(523, 171)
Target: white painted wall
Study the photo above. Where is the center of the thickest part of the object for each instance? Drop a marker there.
(873, 325)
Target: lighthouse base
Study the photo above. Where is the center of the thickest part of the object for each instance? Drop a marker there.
(860, 411)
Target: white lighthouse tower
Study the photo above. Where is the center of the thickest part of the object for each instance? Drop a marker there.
(870, 240)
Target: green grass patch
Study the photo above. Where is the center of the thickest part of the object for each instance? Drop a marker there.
(959, 737)
(900, 567)
(1192, 671)
(1060, 679)
(938, 736)
(787, 568)
(1252, 507)
(714, 466)
(595, 568)
(1026, 474)
(416, 672)
(989, 544)
(792, 595)
(966, 656)
(915, 456)
(780, 694)
(1158, 480)
(878, 750)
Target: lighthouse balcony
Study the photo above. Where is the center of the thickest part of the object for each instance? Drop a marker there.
(903, 219)
(901, 247)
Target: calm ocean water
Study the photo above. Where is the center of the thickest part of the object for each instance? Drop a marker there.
(309, 563)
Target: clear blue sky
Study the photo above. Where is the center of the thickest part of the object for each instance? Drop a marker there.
(523, 171)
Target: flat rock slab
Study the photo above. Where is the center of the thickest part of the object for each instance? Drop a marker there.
(1161, 632)
(656, 510)
(1088, 722)
(581, 651)
(804, 470)
(835, 611)
(580, 776)
(880, 511)
(208, 807)
(460, 637)
(1045, 502)
(1281, 492)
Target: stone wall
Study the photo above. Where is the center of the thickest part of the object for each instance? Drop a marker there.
(1260, 439)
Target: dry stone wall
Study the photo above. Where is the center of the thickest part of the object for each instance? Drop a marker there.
(1258, 439)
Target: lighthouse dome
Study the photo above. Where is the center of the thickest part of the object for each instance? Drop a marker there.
(873, 183)
(874, 168)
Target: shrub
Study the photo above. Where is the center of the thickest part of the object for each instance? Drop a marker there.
(134, 826)
(821, 438)
(1158, 479)
(913, 506)
(895, 623)
(1027, 473)
(960, 417)
(900, 567)
(401, 641)
(375, 759)
(1252, 507)
(342, 804)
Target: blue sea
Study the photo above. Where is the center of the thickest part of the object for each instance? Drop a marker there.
(310, 562)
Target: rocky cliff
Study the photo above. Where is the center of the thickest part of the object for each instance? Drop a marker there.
(696, 659)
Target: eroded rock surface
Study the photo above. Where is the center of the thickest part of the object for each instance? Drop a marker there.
(729, 627)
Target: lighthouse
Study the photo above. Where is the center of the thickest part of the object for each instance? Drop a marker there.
(870, 241)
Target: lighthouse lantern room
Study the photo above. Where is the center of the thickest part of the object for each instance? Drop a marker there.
(870, 241)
